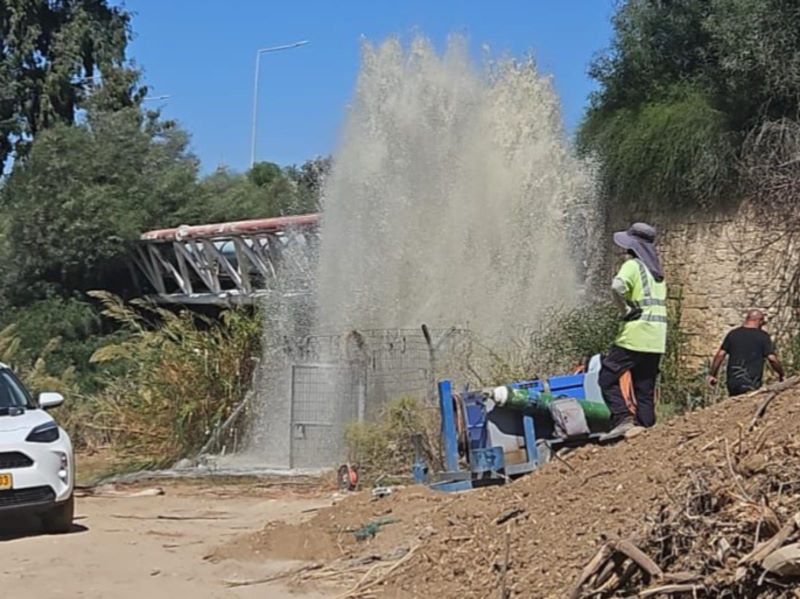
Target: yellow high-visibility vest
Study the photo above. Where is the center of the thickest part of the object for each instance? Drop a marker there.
(648, 333)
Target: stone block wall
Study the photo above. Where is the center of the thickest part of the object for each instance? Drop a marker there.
(719, 264)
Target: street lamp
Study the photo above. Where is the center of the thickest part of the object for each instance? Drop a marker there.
(255, 92)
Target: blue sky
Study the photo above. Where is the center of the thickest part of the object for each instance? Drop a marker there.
(202, 53)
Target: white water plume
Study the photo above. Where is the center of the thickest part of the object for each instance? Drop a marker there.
(455, 198)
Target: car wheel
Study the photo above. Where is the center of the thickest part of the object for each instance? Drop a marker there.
(59, 519)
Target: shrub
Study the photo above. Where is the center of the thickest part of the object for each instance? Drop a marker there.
(558, 345)
(63, 332)
(185, 375)
(681, 86)
(675, 151)
(682, 388)
(384, 447)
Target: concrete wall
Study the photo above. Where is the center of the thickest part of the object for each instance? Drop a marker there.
(719, 265)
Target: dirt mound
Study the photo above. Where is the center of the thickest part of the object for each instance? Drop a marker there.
(535, 536)
(344, 529)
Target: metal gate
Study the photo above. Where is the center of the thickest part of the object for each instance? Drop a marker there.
(325, 399)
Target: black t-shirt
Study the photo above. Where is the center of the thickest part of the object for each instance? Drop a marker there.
(746, 349)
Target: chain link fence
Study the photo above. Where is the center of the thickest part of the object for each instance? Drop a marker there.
(311, 387)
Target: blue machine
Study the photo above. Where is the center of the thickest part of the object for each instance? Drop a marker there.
(496, 443)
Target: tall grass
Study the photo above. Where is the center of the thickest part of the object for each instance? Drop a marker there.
(34, 370)
(184, 376)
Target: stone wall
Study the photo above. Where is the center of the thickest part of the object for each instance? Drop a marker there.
(719, 264)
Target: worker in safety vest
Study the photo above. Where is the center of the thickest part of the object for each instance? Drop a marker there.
(640, 292)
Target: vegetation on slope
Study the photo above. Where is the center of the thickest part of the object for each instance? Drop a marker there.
(682, 88)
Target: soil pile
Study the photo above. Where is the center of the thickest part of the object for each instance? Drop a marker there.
(696, 494)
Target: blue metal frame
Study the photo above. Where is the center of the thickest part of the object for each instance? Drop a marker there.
(486, 464)
(529, 429)
(489, 459)
(449, 435)
(453, 486)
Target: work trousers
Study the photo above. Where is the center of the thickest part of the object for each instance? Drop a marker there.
(735, 388)
(644, 370)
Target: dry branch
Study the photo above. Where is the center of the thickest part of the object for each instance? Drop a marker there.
(362, 587)
(272, 578)
(774, 391)
(672, 589)
(764, 549)
(701, 540)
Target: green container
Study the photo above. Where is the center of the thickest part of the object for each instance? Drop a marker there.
(534, 403)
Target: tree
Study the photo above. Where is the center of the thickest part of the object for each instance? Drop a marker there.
(72, 210)
(264, 191)
(309, 178)
(757, 74)
(263, 174)
(56, 58)
(683, 85)
(655, 45)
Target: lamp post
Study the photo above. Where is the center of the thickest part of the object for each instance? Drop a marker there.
(255, 92)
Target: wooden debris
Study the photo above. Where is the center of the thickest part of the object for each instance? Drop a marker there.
(504, 570)
(170, 517)
(715, 523)
(363, 586)
(774, 391)
(272, 578)
(608, 570)
(641, 560)
(764, 549)
(591, 569)
(672, 589)
(111, 491)
(508, 515)
(784, 562)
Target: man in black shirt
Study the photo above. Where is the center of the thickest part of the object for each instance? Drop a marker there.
(746, 348)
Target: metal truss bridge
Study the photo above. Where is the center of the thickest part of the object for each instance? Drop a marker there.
(230, 263)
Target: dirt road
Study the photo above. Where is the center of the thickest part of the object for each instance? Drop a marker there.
(153, 547)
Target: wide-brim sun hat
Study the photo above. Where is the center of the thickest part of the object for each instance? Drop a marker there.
(640, 238)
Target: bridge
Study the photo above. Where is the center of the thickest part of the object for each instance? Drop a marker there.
(230, 263)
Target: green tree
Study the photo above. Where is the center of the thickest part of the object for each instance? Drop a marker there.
(72, 210)
(264, 173)
(56, 335)
(264, 191)
(231, 196)
(682, 86)
(56, 58)
(757, 73)
(309, 178)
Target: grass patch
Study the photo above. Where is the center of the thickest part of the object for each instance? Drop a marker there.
(183, 377)
(384, 449)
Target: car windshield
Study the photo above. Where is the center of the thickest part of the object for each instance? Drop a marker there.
(12, 393)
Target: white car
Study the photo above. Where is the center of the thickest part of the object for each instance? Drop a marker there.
(37, 463)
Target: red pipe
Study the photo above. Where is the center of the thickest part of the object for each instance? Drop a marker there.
(259, 225)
